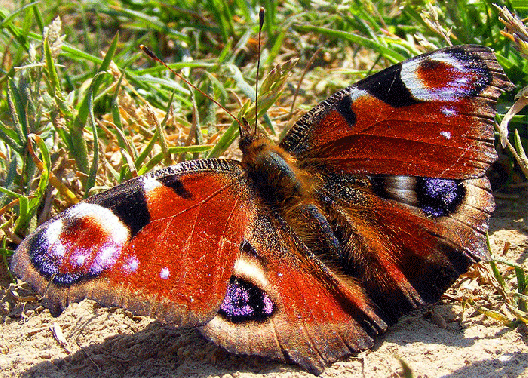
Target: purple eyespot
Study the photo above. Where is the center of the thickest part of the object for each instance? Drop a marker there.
(244, 302)
(439, 197)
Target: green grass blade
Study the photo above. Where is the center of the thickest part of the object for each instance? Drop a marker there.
(11, 138)
(18, 111)
(151, 164)
(241, 83)
(44, 176)
(105, 64)
(17, 33)
(227, 138)
(53, 78)
(10, 177)
(7, 18)
(153, 23)
(497, 274)
(38, 17)
(79, 55)
(10, 193)
(78, 144)
(190, 149)
(90, 182)
(146, 151)
(521, 287)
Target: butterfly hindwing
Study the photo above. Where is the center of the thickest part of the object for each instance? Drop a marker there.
(313, 316)
(402, 257)
(162, 245)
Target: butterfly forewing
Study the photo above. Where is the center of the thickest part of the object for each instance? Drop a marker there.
(162, 245)
(429, 116)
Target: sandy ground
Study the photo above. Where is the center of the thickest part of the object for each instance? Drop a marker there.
(107, 342)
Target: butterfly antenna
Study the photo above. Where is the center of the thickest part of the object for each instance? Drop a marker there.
(151, 54)
(261, 20)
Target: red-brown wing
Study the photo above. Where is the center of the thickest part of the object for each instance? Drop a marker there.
(405, 249)
(430, 116)
(284, 303)
(162, 245)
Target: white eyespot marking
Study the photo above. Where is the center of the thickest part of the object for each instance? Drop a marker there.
(439, 77)
(250, 269)
(357, 93)
(52, 235)
(58, 250)
(80, 259)
(401, 188)
(82, 242)
(88, 236)
(164, 273)
(131, 265)
(446, 134)
(107, 257)
(448, 112)
(104, 218)
(150, 183)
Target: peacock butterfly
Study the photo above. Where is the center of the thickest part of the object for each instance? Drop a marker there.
(371, 206)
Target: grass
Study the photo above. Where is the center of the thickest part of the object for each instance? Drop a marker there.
(74, 120)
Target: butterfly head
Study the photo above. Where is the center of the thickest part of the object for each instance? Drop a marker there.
(248, 134)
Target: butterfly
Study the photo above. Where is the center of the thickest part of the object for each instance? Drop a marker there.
(371, 206)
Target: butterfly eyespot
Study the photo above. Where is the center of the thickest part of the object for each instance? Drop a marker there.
(434, 196)
(445, 76)
(244, 302)
(85, 242)
(439, 197)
